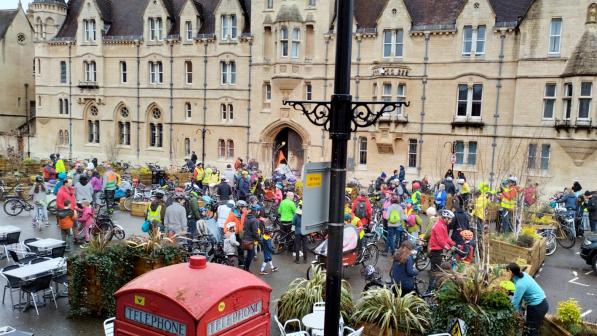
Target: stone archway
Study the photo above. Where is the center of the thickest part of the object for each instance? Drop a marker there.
(288, 137)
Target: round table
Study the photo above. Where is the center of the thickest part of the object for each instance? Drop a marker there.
(314, 320)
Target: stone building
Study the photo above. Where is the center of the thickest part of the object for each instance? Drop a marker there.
(16, 83)
(504, 85)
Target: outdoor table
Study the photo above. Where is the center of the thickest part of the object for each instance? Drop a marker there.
(6, 229)
(32, 271)
(315, 322)
(47, 243)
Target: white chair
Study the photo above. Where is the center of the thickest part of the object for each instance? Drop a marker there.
(353, 332)
(319, 306)
(283, 327)
(109, 326)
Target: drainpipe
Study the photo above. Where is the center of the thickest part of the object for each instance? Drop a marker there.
(27, 113)
(138, 44)
(496, 115)
(70, 103)
(423, 99)
(249, 103)
(203, 130)
(171, 95)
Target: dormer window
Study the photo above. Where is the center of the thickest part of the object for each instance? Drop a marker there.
(89, 30)
(296, 42)
(229, 27)
(155, 29)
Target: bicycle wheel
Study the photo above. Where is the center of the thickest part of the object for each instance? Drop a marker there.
(119, 233)
(550, 245)
(127, 204)
(52, 207)
(277, 242)
(566, 238)
(370, 255)
(313, 240)
(13, 207)
(422, 261)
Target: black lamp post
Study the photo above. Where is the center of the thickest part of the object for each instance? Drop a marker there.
(340, 117)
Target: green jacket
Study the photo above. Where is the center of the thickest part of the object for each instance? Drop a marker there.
(286, 210)
(194, 205)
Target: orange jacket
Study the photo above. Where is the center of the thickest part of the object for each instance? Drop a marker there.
(240, 222)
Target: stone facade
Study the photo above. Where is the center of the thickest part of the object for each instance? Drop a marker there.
(16, 61)
(510, 63)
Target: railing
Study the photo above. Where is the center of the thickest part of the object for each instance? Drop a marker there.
(506, 24)
(123, 38)
(63, 39)
(467, 121)
(88, 85)
(173, 37)
(206, 36)
(436, 27)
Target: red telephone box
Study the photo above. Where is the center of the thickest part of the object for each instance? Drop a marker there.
(194, 299)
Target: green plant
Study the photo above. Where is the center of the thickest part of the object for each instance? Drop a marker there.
(525, 241)
(301, 294)
(495, 299)
(393, 312)
(569, 314)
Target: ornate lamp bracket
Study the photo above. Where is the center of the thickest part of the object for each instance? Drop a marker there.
(363, 113)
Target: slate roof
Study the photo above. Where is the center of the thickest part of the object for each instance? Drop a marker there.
(583, 61)
(125, 17)
(6, 17)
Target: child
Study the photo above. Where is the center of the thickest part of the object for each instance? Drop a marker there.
(38, 192)
(466, 252)
(230, 243)
(266, 242)
(66, 219)
(85, 221)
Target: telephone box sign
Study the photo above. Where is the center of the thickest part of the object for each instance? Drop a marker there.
(234, 318)
(155, 321)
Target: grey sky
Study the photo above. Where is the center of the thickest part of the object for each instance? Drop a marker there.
(11, 4)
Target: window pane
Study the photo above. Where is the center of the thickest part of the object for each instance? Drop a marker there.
(584, 108)
(545, 149)
(548, 107)
(224, 27)
(399, 44)
(412, 153)
(232, 66)
(556, 27)
(585, 89)
(230, 112)
(387, 89)
(480, 48)
(550, 90)
(568, 90)
(467, 39)
(472, 153)
(387, 43)
(363, 151)
(461, 109)
(459, 152)
(230, 149)
(462, 92)
(477, 91)
(221, 148)
(233, 19)
(532, 156)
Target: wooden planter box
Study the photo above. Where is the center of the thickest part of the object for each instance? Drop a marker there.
(144, 265)
(121, 204)
(139, 209)
(503, 253)
(374, 330)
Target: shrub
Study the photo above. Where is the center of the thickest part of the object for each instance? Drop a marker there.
(569, 314)
(495, 300)
(525, 241)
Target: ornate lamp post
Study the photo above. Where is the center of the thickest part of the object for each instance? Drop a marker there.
(340, 117)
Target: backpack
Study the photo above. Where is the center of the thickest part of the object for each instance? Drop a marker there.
(361, 210)
(394, 217)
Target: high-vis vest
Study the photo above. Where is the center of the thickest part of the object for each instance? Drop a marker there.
(111, 181)
(155, 215)
(199, 174)
(416, 197)
(507, 202)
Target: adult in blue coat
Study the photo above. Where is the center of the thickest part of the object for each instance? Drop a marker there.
(403, 268)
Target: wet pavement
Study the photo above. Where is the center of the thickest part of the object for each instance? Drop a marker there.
(557, 278)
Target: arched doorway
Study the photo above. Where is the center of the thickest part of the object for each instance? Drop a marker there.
(290, 144)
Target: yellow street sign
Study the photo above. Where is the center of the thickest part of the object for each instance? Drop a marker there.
(314, 180)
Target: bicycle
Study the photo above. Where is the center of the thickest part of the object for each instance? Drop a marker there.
(565, 231)
(14, 205)
(38, 219)
(373, 280)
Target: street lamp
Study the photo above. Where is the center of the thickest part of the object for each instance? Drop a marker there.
(340, 116)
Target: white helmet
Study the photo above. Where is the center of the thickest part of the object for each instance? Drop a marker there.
(447, 214)
(431, 211)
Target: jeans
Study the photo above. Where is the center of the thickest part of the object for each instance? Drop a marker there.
(300, 241)
(435, 258)
(67, 236)
(505, 220)
(594, 226)
(109, 199)
(249, 258)
(535, 315)
(393, 233)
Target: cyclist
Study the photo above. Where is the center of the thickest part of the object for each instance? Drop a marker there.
(403, 268)
(396, 217)
(527, 290)
(438, 242)
(38, 191)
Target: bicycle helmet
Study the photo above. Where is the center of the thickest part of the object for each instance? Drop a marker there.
(241, 204)
(431, 211)
(39, 179)
(230, 203)
(416, 185)
(268, 229)
(255, 207)
(159, 194)
(467, 234)
(202, 209)
(447, 214)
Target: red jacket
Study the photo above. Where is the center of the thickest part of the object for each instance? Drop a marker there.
(368, 210)
(63, 194)
(439, 237)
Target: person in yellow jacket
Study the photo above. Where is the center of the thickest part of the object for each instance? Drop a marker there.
(60, 168)
(480, 210)
(207, 179)
(198, 175)
(214, 180)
